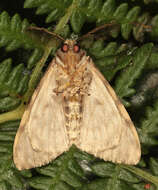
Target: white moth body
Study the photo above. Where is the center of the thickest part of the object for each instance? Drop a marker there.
(74, 104)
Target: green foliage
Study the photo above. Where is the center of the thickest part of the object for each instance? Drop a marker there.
(10, 178)
(125, 19)
(149, 1)
(65, 172)
(154, 166)
(78, 170)
(131, 68)
(12, 34)
(147, 90)
(111, 57)
(54, 9)
(126, 80)
(12, 83)
(147, 129)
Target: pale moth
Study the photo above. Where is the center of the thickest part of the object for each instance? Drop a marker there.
(74, 104)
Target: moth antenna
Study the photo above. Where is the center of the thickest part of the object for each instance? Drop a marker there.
(147, 27)
(47, 31)
(96, 29)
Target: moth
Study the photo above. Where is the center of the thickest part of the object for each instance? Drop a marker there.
(74, 104)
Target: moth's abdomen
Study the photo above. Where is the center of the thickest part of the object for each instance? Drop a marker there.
(73, 116)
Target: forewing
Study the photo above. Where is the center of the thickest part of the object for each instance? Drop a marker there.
(41, 136)
(107, 130)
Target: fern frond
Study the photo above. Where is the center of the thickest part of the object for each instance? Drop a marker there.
(153, 163)
(10, 178)
(150, 1)
(79, 170)
(13, 85)
(110, 57)
(126, 79)
(54, 8)
(34, 58)
(99, 51)
(119, 176)
(12, 81)
(12, 34)
(65, 172)
(125, 20)
(146, 90)
(147, 128)
(153, 61)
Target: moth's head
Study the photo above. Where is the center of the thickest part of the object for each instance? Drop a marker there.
(70, 46)
(70, 52)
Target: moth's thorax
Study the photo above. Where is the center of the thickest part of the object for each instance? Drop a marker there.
(72, 72)
(73, 79)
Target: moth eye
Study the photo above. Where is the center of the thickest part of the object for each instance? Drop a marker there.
(76, 48)
(65, 48)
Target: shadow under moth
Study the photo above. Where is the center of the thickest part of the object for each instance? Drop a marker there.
(74, 104)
